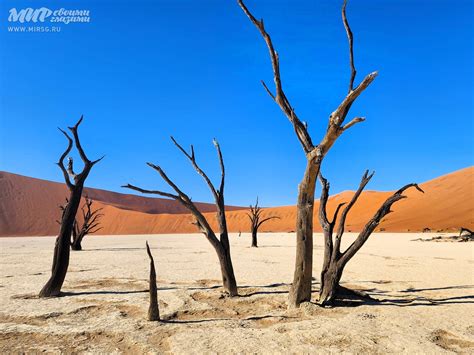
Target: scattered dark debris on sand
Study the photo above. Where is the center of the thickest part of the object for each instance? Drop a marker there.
(465, 235)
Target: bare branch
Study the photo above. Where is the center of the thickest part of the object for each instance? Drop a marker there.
(353, 122)
(267, 219)
(374, 222)
(323, 219)
(342, 221)
(221, 163)
(154, 192)
(364, 181)
(337, 212)
(77, 141)
(268, 90)
(280, 97)
(339, 115)
(60, 163)
(183, 199)
(192, 159)
(98, 160)
(351, 50)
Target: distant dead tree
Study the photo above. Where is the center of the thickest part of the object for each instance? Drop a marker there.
(221, 245)
(153, 310)
(256, 221)
(90, 224)
(335, 260)
(62, 247)
(301, 286)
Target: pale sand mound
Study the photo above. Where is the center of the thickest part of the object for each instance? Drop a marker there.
(425, 292)
(30, 207)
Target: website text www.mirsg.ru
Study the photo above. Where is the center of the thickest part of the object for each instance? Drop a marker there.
(34, 29)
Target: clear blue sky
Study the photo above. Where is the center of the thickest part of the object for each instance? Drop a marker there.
(144, 70)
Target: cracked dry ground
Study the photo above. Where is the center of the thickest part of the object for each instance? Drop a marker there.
(426, 300)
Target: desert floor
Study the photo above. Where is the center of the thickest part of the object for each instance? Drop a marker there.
(425, 290)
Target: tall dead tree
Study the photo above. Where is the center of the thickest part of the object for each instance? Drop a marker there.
(90, 224)
(301, 286)
(335, 260)
(221, 245)
(256, 221)
(62, 247)
(153, 310)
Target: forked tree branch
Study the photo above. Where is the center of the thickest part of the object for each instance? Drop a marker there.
(336, 119)
(342, 220)
(184, 199)
(374, 222)
(60, 163)
(69, 171)
(77, 142)
(192, 159)
(280, 97)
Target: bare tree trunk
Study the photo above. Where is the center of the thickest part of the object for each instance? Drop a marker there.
(330, 278)
(301, 287)
(52, 288)
(77, 242)
(300, 290)
(61, 248)
(153, 310)
(227, 271)
(254, 239)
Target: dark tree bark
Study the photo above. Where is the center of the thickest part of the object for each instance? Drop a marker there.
(301, 286)
(90, 225)
(221, 245)
(334, 260)
(62, 247)
(153, 310)
(256, 221)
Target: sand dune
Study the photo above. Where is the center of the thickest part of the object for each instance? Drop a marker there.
(29, 207)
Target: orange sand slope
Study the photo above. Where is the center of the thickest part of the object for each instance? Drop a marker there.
(29, 207)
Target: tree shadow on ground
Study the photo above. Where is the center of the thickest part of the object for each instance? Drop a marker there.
(112, 292)
(408, 298)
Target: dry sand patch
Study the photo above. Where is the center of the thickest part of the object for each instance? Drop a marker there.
(425, 290)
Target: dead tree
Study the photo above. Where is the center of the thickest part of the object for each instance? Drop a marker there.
(153, 310)
(335, 260)
(221, 245)
(90, 224)
(256, 221)
(62, 247)
(301, 286)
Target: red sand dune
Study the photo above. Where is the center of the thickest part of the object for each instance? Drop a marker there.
(29, 207)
